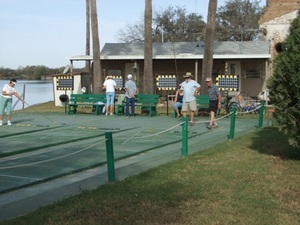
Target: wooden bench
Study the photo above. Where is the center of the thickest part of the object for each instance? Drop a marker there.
(147, 102)
(95, 101)
(202, 104)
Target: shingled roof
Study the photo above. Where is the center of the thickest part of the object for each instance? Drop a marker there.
(188, 50)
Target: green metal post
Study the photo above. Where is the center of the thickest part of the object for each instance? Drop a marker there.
(185, 136)
(110, 156)
(261, 114)
(232, 124)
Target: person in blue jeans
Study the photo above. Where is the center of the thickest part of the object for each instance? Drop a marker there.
(110, 86)
(178, 101)
(130, 88)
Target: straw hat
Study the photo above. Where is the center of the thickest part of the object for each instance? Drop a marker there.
(188, 74)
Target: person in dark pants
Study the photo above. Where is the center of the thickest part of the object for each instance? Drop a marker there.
(130, 88)
(215, 99)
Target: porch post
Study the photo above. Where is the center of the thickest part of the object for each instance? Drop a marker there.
(196, 70)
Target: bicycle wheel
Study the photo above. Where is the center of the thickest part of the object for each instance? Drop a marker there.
(237, 106)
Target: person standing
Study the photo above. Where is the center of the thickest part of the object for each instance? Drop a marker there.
(178, 101)
(215, 99)
(110, 86)
(191, 89)
(130, 88)
(6, 100)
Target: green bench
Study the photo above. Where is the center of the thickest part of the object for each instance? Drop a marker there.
(95, 101)
(120, 105)
(202, 104)
(147, 102)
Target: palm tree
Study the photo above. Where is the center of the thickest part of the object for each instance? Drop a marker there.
(88, 37)
(148, 87)
(209, 41)
(97, 75)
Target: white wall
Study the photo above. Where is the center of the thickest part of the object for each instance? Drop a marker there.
(57, 93)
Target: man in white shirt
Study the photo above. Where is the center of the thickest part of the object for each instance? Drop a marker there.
(190, 90)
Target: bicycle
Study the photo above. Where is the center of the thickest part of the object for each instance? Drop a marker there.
(225, 106)
(246, 107)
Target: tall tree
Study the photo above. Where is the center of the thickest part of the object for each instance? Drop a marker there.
(237, 20)
(285, 85)
(175, 24)
(97, 75)
(88, 29)
(148, 87)
(207, 63)
(172, 24)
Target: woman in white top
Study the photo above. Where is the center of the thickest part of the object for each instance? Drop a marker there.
(110, 86)
(6, 100)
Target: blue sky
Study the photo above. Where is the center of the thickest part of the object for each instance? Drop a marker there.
(46, 32)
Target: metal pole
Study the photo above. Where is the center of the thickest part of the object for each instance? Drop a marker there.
(185, 136)
(232, 124)
(167, 103)
(24, 95)
(261, 114)
(110, 156)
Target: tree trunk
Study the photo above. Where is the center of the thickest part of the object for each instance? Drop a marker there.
(209, 42)
(148, 87)
(97, 75)
(88, 37)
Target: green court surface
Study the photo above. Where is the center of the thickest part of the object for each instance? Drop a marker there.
(39, 148)
(36, 149)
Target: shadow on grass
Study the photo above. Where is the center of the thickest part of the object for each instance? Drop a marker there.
(273, 142)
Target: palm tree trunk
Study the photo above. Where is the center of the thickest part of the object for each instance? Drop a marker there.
(209, 42)
(97, 75)
(88, 37)
(148, 87)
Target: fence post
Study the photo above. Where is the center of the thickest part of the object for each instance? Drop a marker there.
(185, 136)
(110, 156)
(261, 114)
(232, 124)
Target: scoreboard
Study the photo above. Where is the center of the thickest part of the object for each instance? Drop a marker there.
(64, 83)
(228, 82)
(166, 82)
(119, 81)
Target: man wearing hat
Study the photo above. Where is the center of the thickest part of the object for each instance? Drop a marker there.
(190, 90)
(215, 99)
(6, 100)
(130, 88)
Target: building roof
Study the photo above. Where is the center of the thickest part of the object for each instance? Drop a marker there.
(188, 50)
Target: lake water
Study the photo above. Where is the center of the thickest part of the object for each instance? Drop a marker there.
(36, 91)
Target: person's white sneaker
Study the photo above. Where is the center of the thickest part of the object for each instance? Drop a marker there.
(1, 123)
(9, 123)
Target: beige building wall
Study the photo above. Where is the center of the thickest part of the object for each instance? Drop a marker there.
(276, 20)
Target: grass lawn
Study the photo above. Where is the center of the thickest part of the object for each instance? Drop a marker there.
(254, 179)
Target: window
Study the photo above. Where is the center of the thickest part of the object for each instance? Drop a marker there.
(252, 74)
(232, 68)
(114, 72)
